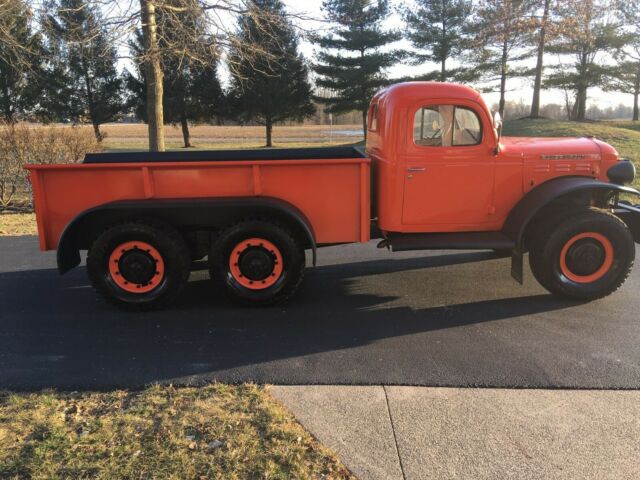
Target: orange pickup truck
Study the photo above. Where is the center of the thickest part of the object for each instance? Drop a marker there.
(436, 175)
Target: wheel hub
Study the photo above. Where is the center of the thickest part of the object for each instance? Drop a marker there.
(256, 263)
(585, 257)
(136, 267)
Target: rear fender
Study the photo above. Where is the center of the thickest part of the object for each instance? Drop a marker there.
(193, 214)
(534, 202)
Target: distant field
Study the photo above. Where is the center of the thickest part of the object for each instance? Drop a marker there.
(623, 135)
(134, 136)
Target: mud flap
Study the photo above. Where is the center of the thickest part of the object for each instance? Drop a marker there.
(517, 266)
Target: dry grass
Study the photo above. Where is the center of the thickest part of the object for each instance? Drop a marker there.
(213, 432)
(18, 224)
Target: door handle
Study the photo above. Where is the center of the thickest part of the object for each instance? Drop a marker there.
(416, 169)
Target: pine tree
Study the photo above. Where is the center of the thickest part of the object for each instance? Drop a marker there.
(94, 89)
(21, 50)
(350, 63)
(192, 90)
(501, 28)
(588, 33)
(437, 30)
(625, 77)
(273, 87)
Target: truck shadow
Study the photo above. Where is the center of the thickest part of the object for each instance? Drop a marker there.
(352, 323)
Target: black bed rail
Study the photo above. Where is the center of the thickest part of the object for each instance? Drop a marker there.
(314, 153)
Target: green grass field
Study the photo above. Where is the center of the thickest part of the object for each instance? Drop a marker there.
(623, 135)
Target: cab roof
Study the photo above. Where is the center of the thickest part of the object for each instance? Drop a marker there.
(410, 90)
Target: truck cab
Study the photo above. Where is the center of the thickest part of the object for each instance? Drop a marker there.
(436, 174)
(432, 148)
(440, 166)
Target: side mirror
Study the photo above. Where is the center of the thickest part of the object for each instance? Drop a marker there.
(497, 126)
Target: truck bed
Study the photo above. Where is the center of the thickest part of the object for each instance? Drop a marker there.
(330, 186)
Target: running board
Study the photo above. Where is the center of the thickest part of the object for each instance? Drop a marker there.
(401, 242)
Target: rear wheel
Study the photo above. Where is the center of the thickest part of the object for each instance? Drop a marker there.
(139, 265)
(587, 256)
(259, 262)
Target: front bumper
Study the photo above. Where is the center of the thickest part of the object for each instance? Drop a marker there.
(629, 214)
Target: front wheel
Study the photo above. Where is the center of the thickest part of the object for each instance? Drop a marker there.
(587, 256)
(259, 262)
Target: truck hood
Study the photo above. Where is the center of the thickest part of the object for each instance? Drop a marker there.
(549, 148)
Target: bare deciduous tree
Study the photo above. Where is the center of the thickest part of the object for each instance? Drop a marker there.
(543, 33)
(219, 36)
(20, 60)
(590, 32)
(13, 50)
(153, 75)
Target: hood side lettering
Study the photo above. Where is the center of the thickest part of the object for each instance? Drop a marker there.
(572, 156)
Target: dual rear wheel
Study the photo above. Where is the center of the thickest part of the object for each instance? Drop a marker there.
(146, 265)
(258, 262)
(139, 265)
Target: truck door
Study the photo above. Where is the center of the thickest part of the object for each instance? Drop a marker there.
(449, 170)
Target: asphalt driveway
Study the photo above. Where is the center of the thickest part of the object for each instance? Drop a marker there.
(363, 316)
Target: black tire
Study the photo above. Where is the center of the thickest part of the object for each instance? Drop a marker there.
(165, 240)
(547, 245)
(292, 254)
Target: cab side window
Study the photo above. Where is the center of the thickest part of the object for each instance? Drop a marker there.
(432, 126)
(373, 118)
(467, 129)
(446, 126)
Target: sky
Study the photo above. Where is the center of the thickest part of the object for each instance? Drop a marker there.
(518, 90)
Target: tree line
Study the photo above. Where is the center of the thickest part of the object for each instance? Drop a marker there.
(59, 58)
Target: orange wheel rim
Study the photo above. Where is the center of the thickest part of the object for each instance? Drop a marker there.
(256, 263)
(136, 267)
(601, 271)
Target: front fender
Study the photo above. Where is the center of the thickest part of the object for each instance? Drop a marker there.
(192, 213)
(538, 198)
